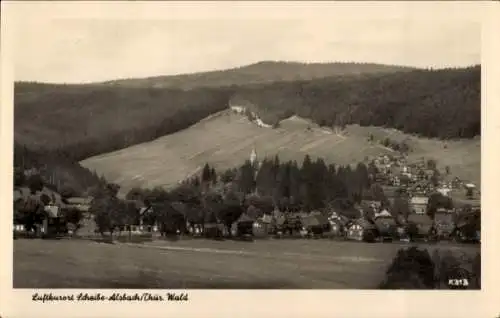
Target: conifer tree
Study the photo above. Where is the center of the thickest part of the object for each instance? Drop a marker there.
(246, 181)
(265, 178)
(205, 175)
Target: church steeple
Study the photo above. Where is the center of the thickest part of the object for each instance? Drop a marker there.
(253, 156)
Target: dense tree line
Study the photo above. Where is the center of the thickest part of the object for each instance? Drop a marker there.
(261, 72)
(80, 121)
(287, 186)
(432, 103)
(55, 171)
(309, 186)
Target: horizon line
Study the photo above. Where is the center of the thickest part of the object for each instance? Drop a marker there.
(118, 79)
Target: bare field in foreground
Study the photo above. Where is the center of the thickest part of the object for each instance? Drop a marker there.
(225, 140)
(202, 264)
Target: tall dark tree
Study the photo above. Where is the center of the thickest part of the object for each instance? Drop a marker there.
(363, 175)
(340, 183)
(213, 175)
(228, 176)
(295, 182)
(19, 178)
(436, 177)
(307, 183)
(319, 184)
(246, 180)
(376, 193)
(282, 187)
(35, 183)
(205, 174)
(231, 209)
(265, 180)
(401, 207)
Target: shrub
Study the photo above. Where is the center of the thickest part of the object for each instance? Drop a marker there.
(412, 268)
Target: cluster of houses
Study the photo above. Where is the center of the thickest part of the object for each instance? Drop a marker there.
(380, 226)
(49, 202)
(394, 173)
(418, 180)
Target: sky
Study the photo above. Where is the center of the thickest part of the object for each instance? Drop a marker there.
(81, 43)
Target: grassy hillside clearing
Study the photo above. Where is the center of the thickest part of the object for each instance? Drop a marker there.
(226, 140)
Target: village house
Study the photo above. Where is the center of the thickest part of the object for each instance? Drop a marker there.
(470, 190)
(418, 204)
(444, 190)
(262, 226)
(361, 230)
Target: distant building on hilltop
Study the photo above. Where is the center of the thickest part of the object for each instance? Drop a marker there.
(238, 109)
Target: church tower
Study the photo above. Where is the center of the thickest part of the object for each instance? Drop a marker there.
(253, 157)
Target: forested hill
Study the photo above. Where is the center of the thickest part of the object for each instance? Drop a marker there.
(80, 121)
(260, 73)
(441, 103)
(57, 171)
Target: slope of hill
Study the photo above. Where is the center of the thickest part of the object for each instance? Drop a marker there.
(226, 139)
(259, 73)
(58, 171)
(442, 103)
(81, 121)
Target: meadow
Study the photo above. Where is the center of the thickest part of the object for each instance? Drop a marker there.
(204, 264)
(225, 140)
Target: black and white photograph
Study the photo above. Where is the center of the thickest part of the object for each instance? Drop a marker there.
(335, 148)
